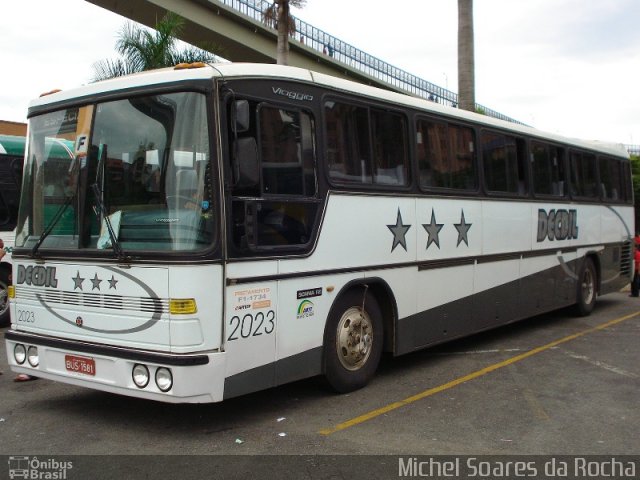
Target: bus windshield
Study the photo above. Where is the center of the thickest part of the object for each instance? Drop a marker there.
(127, 175)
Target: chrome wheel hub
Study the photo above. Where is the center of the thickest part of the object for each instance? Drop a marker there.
(588, 286)
(354, 338)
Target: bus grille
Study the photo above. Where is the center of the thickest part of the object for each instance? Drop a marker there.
(95, 300)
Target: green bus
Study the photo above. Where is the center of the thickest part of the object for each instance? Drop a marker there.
(11, 161)
(12, 149)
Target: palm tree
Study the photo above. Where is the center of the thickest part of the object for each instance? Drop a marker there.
(142, 49)
(279, 13)
(466, 67)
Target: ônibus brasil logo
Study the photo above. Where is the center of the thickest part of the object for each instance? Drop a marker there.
(33, 467)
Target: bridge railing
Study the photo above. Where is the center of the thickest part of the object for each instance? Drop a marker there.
(633, 150)
(343, 52)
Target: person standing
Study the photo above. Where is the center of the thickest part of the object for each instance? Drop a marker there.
(2, 254)
(635, 284)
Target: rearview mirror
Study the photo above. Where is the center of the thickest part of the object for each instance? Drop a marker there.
(246, 168)
(240, 116)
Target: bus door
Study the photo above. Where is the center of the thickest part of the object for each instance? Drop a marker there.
(250, 330)
(272, 205)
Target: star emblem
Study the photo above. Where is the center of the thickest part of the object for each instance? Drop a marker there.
(112, 282)
(399, 231)
(77, 280)
(96, 282)
(433, 230)
(463, 228)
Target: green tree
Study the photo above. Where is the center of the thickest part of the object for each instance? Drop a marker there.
(466, 62)
(143, 49)
(278, 14)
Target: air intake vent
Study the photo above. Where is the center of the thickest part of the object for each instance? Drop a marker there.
(626, 259)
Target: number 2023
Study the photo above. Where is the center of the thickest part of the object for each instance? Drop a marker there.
(26, 316)
(252, 325)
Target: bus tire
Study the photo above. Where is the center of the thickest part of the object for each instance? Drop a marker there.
(4, 297)
(587, 288)
(353, 341)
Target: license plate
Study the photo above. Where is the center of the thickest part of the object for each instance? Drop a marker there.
(86, 366)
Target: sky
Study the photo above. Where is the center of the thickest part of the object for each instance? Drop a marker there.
(569, 67)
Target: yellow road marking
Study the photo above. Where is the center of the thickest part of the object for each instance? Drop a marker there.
(479, 373)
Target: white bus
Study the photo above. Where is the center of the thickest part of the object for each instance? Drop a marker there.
(229, 228)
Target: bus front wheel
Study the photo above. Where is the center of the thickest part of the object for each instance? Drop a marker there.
(353, 341)
(587, 288)
(4, 297)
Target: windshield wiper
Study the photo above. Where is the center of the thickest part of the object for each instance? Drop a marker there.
(115, 244)
(54, 221)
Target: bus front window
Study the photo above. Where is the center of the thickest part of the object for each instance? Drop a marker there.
(50, 202)
(140, 180)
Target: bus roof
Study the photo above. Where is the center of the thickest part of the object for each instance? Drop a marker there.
(12, 145)
(259, 70)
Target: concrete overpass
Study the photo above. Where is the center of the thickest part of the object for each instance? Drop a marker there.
(237, 26)
(244, 38)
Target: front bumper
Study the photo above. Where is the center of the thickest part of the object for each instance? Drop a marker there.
(197, 378)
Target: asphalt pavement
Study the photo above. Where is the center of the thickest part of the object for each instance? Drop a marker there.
(551, 385)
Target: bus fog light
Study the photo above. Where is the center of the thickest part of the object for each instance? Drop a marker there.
(164, 379)
(20, 353)
(32, 356)
(140, 375)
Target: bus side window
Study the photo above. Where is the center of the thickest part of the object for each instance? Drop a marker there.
(273, 170)
(626, 182)
(432, 153)
(610, 179)
(584, 178)
(548, 169)
(287, 151)
(366, 146)
(503, 160)
(577, 188)
(446, 156)
(390, 152)
(348, 143)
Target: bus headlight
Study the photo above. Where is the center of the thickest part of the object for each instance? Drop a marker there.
(164, 379)
(140, 375)
(19, 353)
(32, 356)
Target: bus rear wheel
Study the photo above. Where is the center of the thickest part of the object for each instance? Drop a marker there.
(587, 288)
(353, 341)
